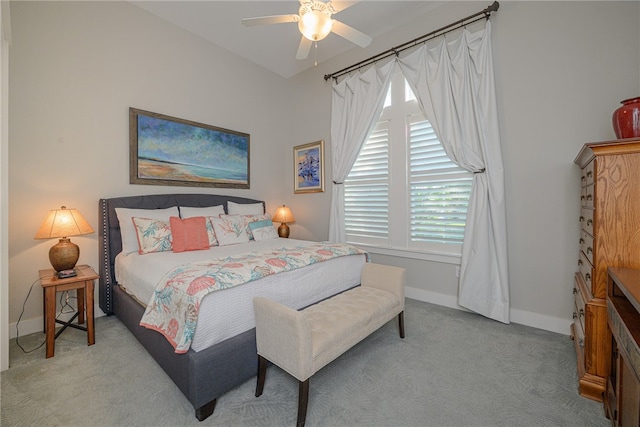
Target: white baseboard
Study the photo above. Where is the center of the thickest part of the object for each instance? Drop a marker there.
(527, 318)
(30, 326)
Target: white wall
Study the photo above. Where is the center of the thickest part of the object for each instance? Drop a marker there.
(76, 68)
(561, 69)
(5, 39)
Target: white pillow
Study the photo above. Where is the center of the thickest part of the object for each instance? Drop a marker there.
(245, 209)
(128, 231)
(189, 212)
(230, 230)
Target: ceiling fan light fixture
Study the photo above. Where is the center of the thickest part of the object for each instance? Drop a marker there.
(315, 25)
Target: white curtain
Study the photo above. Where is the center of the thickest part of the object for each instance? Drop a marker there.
(455, 87)
(357, 102)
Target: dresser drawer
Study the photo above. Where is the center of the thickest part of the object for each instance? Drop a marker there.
(579, 308)
(578, 336)
(586, 245)
(589, 172)
(586, 220)
(586, 270)
(586, 197)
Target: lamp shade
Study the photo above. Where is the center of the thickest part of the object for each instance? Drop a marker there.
(62, 223)
(283, 214)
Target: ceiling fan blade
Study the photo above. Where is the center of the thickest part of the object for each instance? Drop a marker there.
(336, 5)
(265, 20)
(351, 34)
(304, 48)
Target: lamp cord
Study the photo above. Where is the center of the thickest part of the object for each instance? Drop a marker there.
(63, 306)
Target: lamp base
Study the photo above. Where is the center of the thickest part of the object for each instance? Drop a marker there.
(283, 230)
(64, 255)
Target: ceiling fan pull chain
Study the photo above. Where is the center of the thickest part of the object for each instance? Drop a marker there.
(315, 54)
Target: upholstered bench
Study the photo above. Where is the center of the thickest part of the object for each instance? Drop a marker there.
(303, 342)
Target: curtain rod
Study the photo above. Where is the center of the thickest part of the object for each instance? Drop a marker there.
(396, 50)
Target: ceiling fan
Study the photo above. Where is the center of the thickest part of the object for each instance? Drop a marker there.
(315, 23)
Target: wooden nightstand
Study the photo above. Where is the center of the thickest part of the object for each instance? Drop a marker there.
(83, 284)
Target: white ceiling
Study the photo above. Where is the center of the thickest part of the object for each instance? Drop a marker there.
(274, 46)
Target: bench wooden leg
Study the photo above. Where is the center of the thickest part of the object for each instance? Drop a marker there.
(401, 323)
(262, 374)
(303, 399)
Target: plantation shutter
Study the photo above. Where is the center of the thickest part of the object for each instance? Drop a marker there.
(439, 190)
(366, 190)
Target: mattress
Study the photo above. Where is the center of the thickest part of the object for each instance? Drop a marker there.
(229, 312)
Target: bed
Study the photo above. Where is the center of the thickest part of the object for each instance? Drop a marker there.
(212, 367)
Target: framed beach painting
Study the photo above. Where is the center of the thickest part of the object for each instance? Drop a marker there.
(170, 151)
(309, 167)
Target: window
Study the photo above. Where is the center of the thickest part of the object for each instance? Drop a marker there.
(403, 191)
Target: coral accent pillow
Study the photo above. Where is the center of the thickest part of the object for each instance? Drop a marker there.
(189, 234)
(154, 235)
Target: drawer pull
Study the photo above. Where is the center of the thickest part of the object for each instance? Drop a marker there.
(589, 221)
(579, 263)
(589, 197)
(581, 240)
(589, 174)
(582, 197)
(575, 315)
(581, 343)
(587, 276)
(575, 291)
(581, 312)
(589, 250)
(581, 218)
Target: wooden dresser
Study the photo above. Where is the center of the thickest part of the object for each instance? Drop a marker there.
(609, 237)
(622, 399)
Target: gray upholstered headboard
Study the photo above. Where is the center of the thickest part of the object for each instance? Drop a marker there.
(110, 242)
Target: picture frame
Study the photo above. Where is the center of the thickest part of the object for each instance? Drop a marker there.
(308, 167)
(165, 150)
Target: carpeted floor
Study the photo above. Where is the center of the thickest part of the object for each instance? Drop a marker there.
(452, 369)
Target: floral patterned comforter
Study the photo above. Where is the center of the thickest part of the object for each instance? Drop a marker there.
(173, 309)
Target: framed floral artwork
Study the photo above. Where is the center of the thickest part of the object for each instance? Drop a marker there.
(308, 162)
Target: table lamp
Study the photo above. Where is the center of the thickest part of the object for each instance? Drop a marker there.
(63, 223)
(283, 215)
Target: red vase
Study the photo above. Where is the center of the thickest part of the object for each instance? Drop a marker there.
(626, 119)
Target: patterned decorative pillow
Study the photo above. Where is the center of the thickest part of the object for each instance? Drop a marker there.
(245, 208)
(189, 234)
(247, 220)
(128, 230)
(263, 230)
(154, 235)
(213, 241)
(230, 230)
